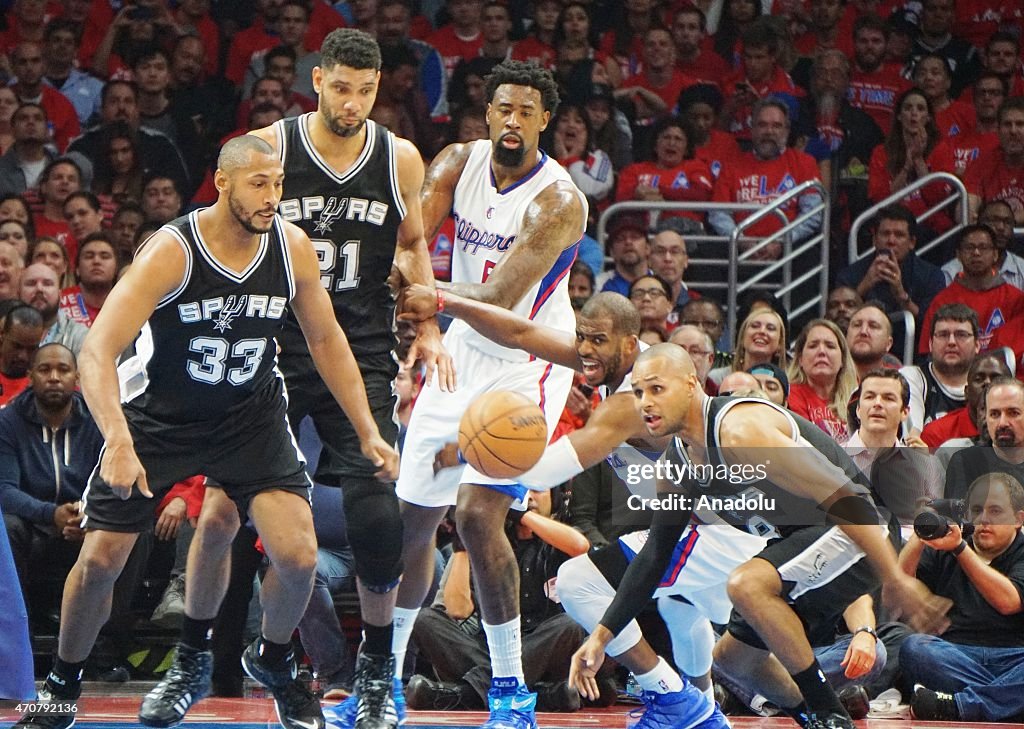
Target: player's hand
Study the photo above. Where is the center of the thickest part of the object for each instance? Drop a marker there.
(429, 349)
(382, 455)
(860, 655)
(584, 665)
(417, 302)
(910, 600)
(122, 470)
(170, 519)
(447, 457)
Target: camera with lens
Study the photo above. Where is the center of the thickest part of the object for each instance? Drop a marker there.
(939, 514)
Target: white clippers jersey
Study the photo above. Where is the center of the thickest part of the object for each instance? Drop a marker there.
(487, 223)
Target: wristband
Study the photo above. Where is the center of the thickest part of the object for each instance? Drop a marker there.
(440, 301)
(959, 549)
(458, 453)
(866, 629)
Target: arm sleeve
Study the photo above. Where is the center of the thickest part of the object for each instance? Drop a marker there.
(645, 571)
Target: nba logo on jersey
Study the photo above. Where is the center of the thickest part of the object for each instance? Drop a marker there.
(490, 212)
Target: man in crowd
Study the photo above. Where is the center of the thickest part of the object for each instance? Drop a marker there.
(998, 216)
(874, 83)
(19, 339)
(96, 267)
(627, 244)
(842, 301)
(971, 671)
(870, 338)
(963, 423)
(1000, 175)
(41, 290)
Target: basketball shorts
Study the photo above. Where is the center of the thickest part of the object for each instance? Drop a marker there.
(701, 563)
(435, 420)
(341, 457)
(822, 572)
(248, 450)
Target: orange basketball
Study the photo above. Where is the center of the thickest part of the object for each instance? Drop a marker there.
(503, 434)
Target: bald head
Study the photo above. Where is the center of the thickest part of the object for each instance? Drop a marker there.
(666, 358)
(699, 345)
(237, 152)
(739, 382)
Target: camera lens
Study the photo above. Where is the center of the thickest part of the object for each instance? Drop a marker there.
(929, 525)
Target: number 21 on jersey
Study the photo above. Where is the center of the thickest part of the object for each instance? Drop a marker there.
(339, 266)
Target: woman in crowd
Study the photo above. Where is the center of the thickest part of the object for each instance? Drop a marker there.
(761, 339)
(575, 42)
(675, 175)
(572, 146)
(652, 297)
(539, 45)
(14, 207)
(934, 77)
(823, 377)
(119, 170)
(17, 234)
(624, 41)
(913, 149)
(48, 251)
(736, 16)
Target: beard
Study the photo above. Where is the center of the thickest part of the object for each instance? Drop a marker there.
(767, 149)
(509, 157)
(244, 218)
(340, 129)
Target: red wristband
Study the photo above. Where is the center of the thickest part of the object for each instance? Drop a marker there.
(440, 301)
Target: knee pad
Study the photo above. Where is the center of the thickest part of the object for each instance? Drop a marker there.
(374, 532)
(693, 638)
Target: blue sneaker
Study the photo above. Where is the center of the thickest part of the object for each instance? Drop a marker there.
(512, 705)
(343, 716)
(686, 709)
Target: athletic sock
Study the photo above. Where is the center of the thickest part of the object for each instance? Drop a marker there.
(196, 633)
(506, 647)
(65, 678)
(377, 639)
(661, 679)
(274, 654)
(404, 621)
(821, 698)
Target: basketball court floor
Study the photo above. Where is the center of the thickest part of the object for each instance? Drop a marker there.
(117, 711)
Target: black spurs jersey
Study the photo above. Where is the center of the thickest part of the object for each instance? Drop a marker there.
(352, 219)
(208, 348)
(766, 509)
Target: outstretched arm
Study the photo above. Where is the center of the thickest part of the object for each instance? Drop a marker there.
(332, 355)
(497, 324)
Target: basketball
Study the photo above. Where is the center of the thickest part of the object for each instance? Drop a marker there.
(503, 434)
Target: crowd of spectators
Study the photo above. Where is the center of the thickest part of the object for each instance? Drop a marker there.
(113, 113)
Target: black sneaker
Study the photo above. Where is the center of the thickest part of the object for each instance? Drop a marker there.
(856, 702)
(558, 697)
(829, 721)
(297, 707)
(186, 682)
(933, 705)
(46, 720)
(423, 694)
(373, 684)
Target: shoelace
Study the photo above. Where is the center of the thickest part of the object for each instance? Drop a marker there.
(373, 694)
(178, 676)
(294, 695)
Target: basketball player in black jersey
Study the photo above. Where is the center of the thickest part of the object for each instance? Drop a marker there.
(208, 292)
(353, 187)
(804, 579)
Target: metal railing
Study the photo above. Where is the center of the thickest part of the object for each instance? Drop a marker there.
(959, 194)
(909, 334)
(790, 253)
(729, 260)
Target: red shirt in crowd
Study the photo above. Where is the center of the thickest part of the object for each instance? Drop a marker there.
(531, 49)
(955, 119)
(669, 93)
(11, 387)
(453, 48)
(752, 180)
(690, 181)
(804, 401)
(992, 179)
(707, 68)
(1012, 336)
(995, 308)
(880, 179)
(779, 83)
(875, 93)
(73, 302)
(955, 424)
(970, 147)
(720, 150)
(255, 38)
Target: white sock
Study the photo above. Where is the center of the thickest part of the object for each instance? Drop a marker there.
(710, 693)
(661, 679)
(405, 619)
(506, 646)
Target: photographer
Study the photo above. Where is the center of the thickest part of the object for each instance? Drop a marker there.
(974, 671)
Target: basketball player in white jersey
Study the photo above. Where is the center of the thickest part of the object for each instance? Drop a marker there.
(518, 223)
(604, 348)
